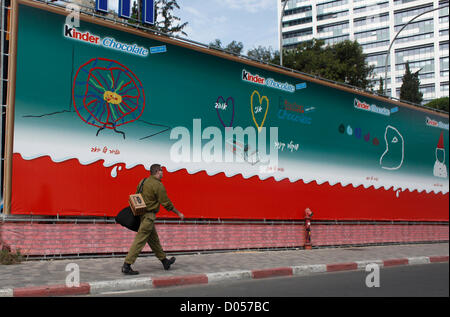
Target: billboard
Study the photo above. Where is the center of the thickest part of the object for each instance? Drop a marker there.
(96, 105)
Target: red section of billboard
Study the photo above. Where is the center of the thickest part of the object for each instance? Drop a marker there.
(55, 188)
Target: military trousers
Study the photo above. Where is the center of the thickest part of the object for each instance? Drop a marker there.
(146, 234)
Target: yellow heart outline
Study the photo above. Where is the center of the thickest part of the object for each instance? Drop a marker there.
(260, 102)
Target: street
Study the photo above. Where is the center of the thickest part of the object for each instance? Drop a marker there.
(429, 280)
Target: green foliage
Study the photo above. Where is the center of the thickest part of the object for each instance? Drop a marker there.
(164, 20)
(380, 90)
(410, 87)
(233, 47)
(439, 103)
(343, 62)
(263, 54)
(7, 257)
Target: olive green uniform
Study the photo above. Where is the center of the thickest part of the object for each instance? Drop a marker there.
(154, 194)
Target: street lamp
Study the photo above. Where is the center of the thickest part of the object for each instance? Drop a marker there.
(392, 42)
(281, 32)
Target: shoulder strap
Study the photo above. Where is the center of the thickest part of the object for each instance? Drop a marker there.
(141, 185)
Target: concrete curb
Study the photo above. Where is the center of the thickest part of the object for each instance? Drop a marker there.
(143, 283)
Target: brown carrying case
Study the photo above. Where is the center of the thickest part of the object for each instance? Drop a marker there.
(137, 203)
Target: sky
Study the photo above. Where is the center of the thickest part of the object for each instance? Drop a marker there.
(252, 22)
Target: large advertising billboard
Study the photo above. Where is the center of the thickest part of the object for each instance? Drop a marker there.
(97, 104)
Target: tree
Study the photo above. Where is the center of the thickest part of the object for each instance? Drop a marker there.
(409, 90)
(167, 25)
(380, 90)
(164, 19)
(263, 54)
(440, 104)
(233, 47)
(353, 69)
(343, 62)
(308, 57)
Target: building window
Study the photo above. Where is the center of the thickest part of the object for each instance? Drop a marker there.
(399, 79)
(403, 17)
(443, 49)
(333, 15)
(375, 45)
(322, 7)
(380, 72)
(372, 36)
(298, 33)
(428, 91)
(444, 63)
(425, 66)
(297, 22)
(334, 40)
(372, 7)
(298, 10)
(399, 2)
(417, 27)
(378, 60)
(443, 13)
(414, 54)
(413, 38)
(371, 20)
(335, 29)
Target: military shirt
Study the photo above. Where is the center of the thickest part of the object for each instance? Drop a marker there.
(154, 194)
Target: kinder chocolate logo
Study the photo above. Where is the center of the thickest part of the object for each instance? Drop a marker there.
(253, 78)
(294, 107)
(437, 124)
(372, 108)
(269, 82)
(294, 112)
(72, 32)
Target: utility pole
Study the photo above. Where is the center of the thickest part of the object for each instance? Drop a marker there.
(392, 42)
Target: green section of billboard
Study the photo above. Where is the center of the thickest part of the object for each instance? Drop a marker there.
(82, 89)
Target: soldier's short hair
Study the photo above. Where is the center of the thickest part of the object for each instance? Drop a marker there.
(155, 168)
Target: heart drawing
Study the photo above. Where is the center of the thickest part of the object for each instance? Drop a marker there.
(261, 99)
(221, 99)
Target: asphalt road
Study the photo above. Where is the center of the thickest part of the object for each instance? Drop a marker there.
(427, 280)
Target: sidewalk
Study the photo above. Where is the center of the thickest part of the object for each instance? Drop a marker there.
(48, 278)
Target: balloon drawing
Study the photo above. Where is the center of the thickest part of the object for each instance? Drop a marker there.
(392, 158)
(107, 95)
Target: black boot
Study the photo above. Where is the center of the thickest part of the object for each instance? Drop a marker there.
(126, 269)
(167, 263)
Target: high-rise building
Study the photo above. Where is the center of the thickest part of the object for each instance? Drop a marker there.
(374, 24)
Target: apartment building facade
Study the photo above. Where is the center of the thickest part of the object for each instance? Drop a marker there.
(424, 42)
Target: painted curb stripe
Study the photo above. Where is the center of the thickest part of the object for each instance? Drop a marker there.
(281, 271)
(180, 280)
(434, 259)
(51, 290)
(394, 262)
(342, 267)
